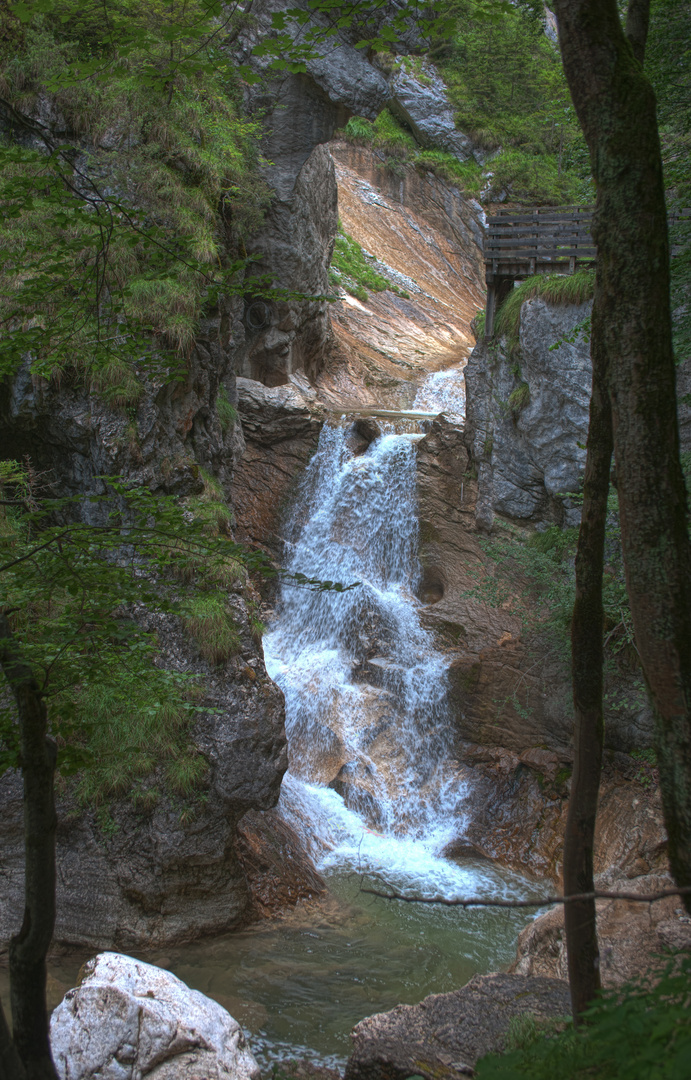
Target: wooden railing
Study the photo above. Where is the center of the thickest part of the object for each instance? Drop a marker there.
(520, 242)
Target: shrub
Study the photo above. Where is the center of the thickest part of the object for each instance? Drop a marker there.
(632, 1033)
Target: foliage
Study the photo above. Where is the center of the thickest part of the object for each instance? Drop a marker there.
(138, 728)
(554, 288)
(352, 269)
(634, 1032)
(519, 398)
(505, 79)
(537, 574)
(398, 147)
(112, 245)
(212, 626)
(84, 599)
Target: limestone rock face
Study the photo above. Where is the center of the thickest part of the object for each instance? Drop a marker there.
(281, 427)
(419, 100)
(517, 813)
(630, 933)
(294, 248)
(504, 691)
(443, 1036)
(127, 1019)
(530, 452)
(426, 238)
(146, 877)
(173, 430)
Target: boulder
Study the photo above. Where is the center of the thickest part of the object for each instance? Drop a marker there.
(367, 429)
(127, 1019)
(443, 1036)
(630, 933)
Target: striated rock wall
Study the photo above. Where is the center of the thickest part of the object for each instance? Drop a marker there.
(427, 238)
(510, 697)
(509, 682)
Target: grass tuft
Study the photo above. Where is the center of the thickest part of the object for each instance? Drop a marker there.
(130, 731)
(212, 627)
(227, 413)
(555, 288)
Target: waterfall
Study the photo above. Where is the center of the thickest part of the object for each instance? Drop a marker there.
(443, 391)
(371, 782)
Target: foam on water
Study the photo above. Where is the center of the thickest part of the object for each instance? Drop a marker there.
(443, 391)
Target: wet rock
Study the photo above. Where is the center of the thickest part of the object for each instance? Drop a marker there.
(281, 427)
(461, 849)
(630, 934)
(361, 433)
(127, 1019)
(517, 815)
(443, 1036)
(278, 870)
(419, 99)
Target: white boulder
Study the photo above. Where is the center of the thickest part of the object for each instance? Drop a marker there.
(127, 1020)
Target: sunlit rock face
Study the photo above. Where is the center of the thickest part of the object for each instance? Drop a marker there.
(427, 240)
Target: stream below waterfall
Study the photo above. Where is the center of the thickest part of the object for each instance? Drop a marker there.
(372, 788)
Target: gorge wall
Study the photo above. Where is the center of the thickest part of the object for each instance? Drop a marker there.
(168, 874)
(288, 366)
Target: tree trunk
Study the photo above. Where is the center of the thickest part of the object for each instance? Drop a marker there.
(616, 109)
(11, 1067)
(29, 947)
(586, 667)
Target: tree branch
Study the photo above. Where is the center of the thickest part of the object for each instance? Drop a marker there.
(544, 901)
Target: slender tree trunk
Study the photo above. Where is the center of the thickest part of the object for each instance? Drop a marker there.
(586, 665)
(29, 947)
(616, 109)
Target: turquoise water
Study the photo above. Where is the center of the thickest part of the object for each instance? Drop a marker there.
(299, 984)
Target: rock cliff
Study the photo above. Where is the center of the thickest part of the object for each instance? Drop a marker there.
(529, 449)
(165, 875)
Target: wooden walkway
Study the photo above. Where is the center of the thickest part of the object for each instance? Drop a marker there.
(521, 242)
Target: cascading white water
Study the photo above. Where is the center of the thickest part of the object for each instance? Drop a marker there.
(372, 783)
(443, 391)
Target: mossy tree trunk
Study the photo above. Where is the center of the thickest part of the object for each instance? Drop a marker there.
(28, 948)
(631, 347)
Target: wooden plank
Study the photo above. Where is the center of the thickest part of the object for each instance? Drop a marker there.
(498, 249)
(526, 218)
(583, 253)
(509, 234)
(541, 211)
(546, 239)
